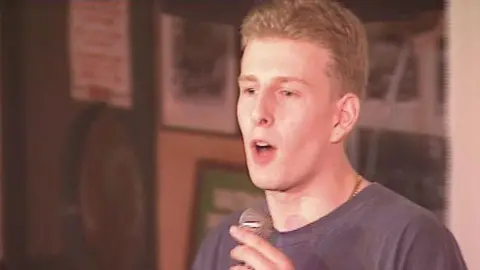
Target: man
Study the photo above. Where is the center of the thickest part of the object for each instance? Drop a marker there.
(303, 69)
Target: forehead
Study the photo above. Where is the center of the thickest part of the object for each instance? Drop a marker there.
(272, 57)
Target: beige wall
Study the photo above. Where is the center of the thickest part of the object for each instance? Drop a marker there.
(464, 110)
(178, 154)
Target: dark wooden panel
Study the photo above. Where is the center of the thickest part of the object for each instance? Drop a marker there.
(232, 11)
(13, 135)
(144, 118)
(389, 10)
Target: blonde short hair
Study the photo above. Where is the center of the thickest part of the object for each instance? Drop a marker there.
(324, 22)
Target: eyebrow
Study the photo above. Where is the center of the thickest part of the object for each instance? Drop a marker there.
(276, 80)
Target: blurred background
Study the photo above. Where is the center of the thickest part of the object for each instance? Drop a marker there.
(120, 146)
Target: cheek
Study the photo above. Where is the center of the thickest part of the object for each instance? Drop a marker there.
(243, 115)
(293, 125)
(305, 124)
(295, 118)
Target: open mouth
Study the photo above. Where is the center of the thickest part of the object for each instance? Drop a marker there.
(262, 146)
(263, 152)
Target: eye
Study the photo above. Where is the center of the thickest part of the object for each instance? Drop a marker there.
(248, 91)
(287, 93)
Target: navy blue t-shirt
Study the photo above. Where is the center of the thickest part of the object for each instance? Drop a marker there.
(376, 230)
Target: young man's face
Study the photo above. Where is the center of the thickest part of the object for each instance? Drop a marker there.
(286, 111)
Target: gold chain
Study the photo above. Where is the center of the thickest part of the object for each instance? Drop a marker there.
(356, 188)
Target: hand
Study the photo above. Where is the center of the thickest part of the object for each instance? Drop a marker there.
(257, 253)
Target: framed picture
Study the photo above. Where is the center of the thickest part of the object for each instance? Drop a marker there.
(222, 189)
(100, 52)
(403, 93)
(198, 71)
(401, 140)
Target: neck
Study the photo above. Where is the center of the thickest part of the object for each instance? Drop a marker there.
(324, 191)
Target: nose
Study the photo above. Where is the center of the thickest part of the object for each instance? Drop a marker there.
(262, 114)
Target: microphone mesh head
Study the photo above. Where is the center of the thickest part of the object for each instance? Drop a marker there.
(257, 220)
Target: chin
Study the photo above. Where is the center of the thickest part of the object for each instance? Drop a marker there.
(267, 182)
(267, 177)
(262, 181)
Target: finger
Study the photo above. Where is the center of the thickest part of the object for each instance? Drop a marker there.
(251, 257)
(256, 242)
(240, 267)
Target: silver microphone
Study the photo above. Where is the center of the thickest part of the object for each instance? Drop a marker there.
(257, 220)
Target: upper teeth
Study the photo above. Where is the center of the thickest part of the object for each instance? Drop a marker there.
(262, 144)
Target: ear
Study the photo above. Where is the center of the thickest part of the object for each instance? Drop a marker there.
(347, 111)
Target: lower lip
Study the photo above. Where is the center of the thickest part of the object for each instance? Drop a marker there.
(264, 157)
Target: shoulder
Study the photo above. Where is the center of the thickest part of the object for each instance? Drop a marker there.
(427, 242)
(214, 250)
(399, 215)
(423, 228)
(387, 205)
(421, 240)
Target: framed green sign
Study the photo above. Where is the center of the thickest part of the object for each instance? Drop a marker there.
(222, 188)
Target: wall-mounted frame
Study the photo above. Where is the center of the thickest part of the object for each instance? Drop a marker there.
(221, 189)
(198, 71)
(100, 52)
(401, 141)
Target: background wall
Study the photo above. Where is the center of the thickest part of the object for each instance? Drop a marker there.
(464, 110)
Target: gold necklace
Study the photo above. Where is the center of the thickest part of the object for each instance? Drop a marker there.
(356, 188)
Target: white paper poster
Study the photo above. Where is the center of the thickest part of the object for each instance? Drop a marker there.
(100, 51)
